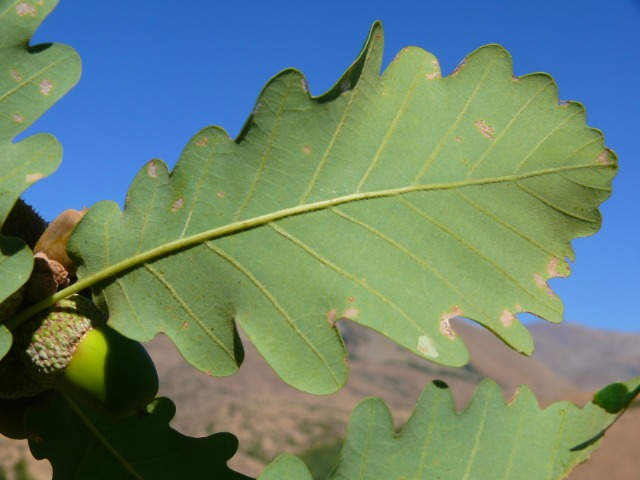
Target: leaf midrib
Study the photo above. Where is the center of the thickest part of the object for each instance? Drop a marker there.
(254, 222)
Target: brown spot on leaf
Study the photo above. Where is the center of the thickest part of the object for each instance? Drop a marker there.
(152, 169)
(540, 282)
(446, 329)
(603, 158)
(351, 299)
(507, 318)
(45, 86)
(331, 317)
(33, 177)
(220, 194)
(16, 75)
(445, 321)
(185, 325)
(552, 267)
(16, 117)
(485, 129)
(24, 8)
(307, 149)
(457, 139)
(177, 205)
(203, 141)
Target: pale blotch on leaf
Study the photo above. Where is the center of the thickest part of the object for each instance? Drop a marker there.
(220, 194)
(436, 71)
(177, 205)
(16, 75)
(33, 177)
(427, 347)
(603, 158)
(45, 86)
(331, 317)
(348, 314)
(203, 141)
(552, 267)
(16, 117)
(485, 129)
(351, 313)
(24, 8)
(541, 283)
(307, 149)
(152, 170)
(507, 318)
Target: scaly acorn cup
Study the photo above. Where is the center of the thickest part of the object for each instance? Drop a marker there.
(71, 348)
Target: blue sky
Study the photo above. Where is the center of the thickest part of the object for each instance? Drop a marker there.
(155, 72)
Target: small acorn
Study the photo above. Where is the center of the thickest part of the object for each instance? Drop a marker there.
(71, 348)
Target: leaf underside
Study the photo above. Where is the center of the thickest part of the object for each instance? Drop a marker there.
(32, 79)
(397, 201)
(490, 439)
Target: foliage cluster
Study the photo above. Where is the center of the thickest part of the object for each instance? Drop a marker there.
(398, 201)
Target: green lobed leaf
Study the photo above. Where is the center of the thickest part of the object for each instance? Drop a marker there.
(32, 79)
(397, 201)
(490, 439)
(286, 467)
(81, 443)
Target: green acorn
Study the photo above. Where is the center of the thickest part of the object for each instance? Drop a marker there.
(71, 348)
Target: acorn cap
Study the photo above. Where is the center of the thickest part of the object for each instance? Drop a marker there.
(52, 337)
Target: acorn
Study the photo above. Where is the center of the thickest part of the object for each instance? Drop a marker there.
(70, 348)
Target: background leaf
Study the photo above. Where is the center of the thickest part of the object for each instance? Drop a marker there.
(286, 467)
(489, 439)
(81, 443)
(32, 79)
(398, 202)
